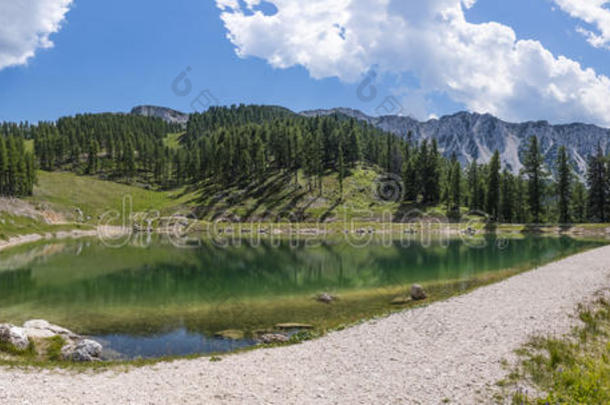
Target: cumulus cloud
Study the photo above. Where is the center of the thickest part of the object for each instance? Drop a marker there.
(482, 66)
(593, 12)
(25, 26)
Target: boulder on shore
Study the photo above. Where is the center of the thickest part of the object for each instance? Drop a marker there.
(83, 351)
(326, 298)
(75, 348)
(14, 336)
(418, 293)
(39, 328)
(270, 338)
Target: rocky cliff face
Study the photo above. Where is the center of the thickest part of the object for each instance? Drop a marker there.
(474, 136)
(166, 114)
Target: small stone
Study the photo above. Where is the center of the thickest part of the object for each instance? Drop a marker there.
(293, 325)
(270, 338)
(325, 298)
(418, 293)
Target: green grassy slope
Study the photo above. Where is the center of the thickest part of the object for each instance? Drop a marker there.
(280, 197)
(65, 192)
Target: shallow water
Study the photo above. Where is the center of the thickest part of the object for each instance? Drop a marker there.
(161, 300)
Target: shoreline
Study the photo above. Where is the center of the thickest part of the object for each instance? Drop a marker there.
(449, 349)
(25, 239)
(307, 230)
(15, 241)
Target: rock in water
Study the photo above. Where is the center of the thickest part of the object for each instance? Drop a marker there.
(85, 350)
(232, 334)
(14, 335)
(418, 293)
(269, 338)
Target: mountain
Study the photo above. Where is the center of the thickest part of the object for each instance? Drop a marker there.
(166, 114)
(474, 136)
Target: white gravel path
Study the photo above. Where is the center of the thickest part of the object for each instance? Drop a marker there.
(448, 350)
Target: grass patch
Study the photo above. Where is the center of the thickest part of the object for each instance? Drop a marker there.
(53, 349)
(172, 141)
(11, 350)
(573, 369)
(66, 192)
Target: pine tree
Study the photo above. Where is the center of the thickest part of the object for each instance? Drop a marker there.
(318, 158)
(475, 190)
(433, 182)
(421, 166)
(493, 187)
(520, 205)
(3, 167)
(428, 172)
(354, 152)
(341, 170)
(564, 177)
(92, 157)
(598, 186)
(579, 202)
(31, 173)
(534, 172)
(258, 155)
(454, 190)
(507, 197)
(129, 163)
(410, 180)
(12, 167)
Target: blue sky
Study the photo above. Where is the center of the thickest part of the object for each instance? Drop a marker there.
(113, 55)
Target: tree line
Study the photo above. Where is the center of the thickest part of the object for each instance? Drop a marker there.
(17, 167)
(242, 145)
(537, 194)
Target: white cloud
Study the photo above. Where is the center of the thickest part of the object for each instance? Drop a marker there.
(483, 66)
(25, 26)
(593, 12)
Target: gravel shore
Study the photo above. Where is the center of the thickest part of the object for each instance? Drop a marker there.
(447, 351)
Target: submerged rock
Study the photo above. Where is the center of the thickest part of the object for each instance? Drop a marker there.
(14, 336)
(401, 300)
(418, 293)
(83, 351)
(233, 334)
(270, 338)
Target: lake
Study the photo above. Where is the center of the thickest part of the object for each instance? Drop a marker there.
(153, 299)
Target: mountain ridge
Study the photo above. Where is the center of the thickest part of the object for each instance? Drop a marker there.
(473, 136)
(167, 114)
